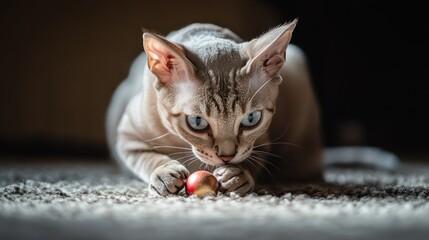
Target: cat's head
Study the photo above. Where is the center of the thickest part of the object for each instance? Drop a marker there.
(219, 96)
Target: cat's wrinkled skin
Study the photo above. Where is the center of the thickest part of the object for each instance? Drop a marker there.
(201, 97)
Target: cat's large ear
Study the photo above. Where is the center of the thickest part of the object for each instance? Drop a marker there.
(268, 52)
(166, 59)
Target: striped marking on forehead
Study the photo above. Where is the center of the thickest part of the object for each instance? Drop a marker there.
(222, 92)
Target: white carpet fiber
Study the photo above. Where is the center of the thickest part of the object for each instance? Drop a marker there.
(84, 200)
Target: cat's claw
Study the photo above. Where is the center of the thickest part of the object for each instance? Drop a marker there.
(168, 179)
(233, 178)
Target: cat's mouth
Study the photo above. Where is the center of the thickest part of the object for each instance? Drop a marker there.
(211, 158)
(208, 157)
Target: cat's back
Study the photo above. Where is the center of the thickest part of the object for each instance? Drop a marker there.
(202, 32)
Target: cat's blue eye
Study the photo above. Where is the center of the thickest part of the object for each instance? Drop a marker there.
(251, 119)
(197, 123)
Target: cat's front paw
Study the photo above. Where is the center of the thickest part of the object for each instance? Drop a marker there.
(233, 178)
(168, 179)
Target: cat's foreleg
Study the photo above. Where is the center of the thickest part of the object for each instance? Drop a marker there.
(168, 179)
(164, 175)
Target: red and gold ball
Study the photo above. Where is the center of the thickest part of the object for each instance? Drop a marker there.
(202, 183)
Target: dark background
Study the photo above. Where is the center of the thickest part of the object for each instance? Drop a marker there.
(61, 61)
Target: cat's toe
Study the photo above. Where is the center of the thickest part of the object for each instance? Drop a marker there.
(234, 179)
(168, 180)
(226, 172)
(165, 186)
(157, 189)
(238, 184)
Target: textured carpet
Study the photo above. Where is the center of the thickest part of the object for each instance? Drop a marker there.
(90, 200)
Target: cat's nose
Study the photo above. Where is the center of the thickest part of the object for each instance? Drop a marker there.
(226, 154)
(227, 158)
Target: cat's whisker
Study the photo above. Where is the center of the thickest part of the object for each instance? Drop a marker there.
(259, 89)
(190, 161)
(179, 153)
(202, 163)
(251, 162)
(212, 168)
(184, 157)
(256, 160)
(273, 179)
(283, 133)
(267, 162)
(265, 153)
(278, 143)
(206, 166)
(174, 147)
(156, 138)
(253, 159)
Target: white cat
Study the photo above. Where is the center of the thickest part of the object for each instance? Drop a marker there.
(203, 98)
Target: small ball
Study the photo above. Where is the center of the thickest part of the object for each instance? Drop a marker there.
(202, 183)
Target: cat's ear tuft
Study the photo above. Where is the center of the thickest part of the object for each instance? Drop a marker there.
(166, 59)
(268, 52)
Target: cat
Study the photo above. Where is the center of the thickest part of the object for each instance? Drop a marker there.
(201, 97)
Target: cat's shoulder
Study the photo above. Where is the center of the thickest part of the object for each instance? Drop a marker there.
(295, 55)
